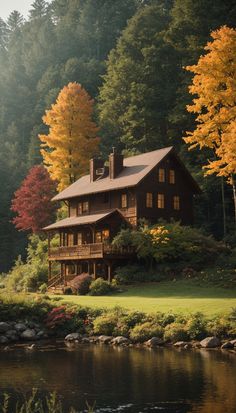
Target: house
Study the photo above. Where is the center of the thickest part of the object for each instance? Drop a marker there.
(152, 185)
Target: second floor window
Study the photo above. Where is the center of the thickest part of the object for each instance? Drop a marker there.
(79, 238)
(83, 207)
(160, 201)
(124, 202)
(161, 175)
(149, 200)
(172, 176)
(70, 240)
(176, 203)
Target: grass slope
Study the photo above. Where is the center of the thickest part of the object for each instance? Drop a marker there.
(182, 296)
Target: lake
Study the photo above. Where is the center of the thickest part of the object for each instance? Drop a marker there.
(124, 379)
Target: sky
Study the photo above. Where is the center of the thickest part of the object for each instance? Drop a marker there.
(7, 6)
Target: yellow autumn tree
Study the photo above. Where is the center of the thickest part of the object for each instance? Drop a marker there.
(72, 139)
(214, 102)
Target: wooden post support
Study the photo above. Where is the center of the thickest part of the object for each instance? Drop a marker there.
(49, 242)
(49, 270)
(94, 270)
(109, 272)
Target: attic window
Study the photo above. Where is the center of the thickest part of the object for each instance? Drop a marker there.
(161, 175)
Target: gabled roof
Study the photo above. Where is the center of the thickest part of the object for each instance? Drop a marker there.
(81, 220)
(135, 169)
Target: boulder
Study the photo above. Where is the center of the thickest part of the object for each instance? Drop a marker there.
(181, 343)
(28, 334)
(187, 346)
(120, 340)
(40, 334)
(4, 327)
(210, 342)
(72, 337)
(12, 335)
(154, 341)
(3, 340)
(233, 342)
(105, 339)
(20, 327)
(226, 345)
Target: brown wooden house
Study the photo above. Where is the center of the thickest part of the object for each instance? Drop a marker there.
(152, 185)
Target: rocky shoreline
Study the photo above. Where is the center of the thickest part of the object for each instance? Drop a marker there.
(27, 331)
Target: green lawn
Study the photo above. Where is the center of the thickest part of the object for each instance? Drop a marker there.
(180, 296)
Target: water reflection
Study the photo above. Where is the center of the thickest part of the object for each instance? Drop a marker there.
(127, 379)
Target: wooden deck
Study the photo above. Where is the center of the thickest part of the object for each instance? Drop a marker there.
(88, 251)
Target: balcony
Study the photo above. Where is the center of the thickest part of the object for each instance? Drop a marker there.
(89, 251)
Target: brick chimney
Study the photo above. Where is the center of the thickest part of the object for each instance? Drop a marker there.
(115, 163)
(96, 168)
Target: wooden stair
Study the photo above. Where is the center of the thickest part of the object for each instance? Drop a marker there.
(55, 285)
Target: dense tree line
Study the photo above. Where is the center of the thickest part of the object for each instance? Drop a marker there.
(129, 56)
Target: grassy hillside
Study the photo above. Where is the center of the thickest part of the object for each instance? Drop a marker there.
(180, 297)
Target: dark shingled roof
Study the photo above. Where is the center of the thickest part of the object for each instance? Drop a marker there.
(81, 220)
(135, 169)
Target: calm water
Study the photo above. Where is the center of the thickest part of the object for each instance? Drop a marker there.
(125, 379)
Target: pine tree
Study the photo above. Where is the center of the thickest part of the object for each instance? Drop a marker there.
(72, 138)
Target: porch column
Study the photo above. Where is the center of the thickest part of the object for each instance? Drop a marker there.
(49, 269)
(94, 270)
(49, 242)
(109, 266)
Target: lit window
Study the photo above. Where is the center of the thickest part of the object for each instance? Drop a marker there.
(98, 236)
(172, 176)
(176, 203)
(149, 200)
(70, 240)
(124, 201)
(161, 175)
(79, 238)
(85, 206)
(105, 235)
(160, 201)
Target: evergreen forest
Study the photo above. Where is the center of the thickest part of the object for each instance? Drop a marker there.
(130, 56)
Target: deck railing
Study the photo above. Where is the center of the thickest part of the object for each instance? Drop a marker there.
(86, 251)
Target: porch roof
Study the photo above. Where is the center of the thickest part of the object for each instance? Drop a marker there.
(81, 220)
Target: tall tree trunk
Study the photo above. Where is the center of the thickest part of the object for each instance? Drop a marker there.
(234, 196)
(223, 206)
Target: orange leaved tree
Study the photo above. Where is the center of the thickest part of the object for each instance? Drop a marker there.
(72, 139)
(214, 102)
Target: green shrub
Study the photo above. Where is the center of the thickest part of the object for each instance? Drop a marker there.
(100, 287)
(43, 288)
(220, 326)
(105, 324)
(197, 326)
(145, 331)
(136, 273)
(175, 332)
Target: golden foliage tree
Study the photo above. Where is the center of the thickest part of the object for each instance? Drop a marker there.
(72, 138)
(214, 90)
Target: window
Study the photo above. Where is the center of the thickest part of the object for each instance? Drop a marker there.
(85, 206)
(102, 236)
(160, 201)
(176, 203)
(79, 238)
(172, 176)
(124, 201)
(70, 240)
(73, 210)
(80, 208)
(161, 175)
(149, 200)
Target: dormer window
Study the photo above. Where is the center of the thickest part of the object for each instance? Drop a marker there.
(161, 175)
(124, 201)
(172, 176)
